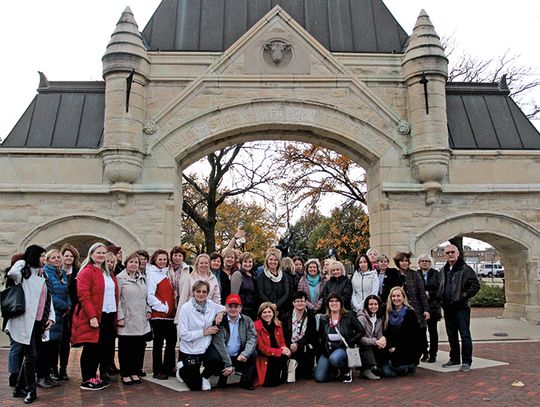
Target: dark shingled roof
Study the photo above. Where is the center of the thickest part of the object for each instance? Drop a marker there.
(481, 116)
(214, 25)
(70, 115)
(62, 115)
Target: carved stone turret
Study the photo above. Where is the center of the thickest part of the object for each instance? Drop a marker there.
(425, 68)
(126, 70)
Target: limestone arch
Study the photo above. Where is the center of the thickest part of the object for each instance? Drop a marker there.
(310, 121)
(61, 228)
(518, 242)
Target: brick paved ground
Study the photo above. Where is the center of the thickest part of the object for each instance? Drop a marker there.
(482, 387)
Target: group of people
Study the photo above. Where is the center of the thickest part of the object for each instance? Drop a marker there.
(288, 319)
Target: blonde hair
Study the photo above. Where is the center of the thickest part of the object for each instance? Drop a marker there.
(390, 306)
(337, 264)
(287, 264)
(111, 256)
(273, 307)
(198, 259)
(88, 258)
(50, 253)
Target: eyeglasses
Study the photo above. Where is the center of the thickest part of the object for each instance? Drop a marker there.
(299, 300)
(450, 252)
(201, 292)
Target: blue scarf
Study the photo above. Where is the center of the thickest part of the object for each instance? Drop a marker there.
(313, 282)
(396, 317)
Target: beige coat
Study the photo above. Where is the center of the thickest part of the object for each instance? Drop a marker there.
(132, 305)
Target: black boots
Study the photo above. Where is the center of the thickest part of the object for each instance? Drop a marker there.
(30, 397)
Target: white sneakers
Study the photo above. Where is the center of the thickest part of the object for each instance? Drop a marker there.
(179, 366)
(205, 385)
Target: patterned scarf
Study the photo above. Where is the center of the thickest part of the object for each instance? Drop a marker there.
(200, 308)
(298, 327)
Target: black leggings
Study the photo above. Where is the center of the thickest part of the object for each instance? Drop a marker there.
(164, 330)
(99, 354)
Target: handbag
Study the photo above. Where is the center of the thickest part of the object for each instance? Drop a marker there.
(292, 364)
(12, 301)
(353, 354)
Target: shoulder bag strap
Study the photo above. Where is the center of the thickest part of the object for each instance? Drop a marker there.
(342, 338)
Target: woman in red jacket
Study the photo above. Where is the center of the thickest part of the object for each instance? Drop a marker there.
(273, 353)
(94, 318)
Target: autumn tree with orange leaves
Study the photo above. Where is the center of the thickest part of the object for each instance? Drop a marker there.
(316, 172)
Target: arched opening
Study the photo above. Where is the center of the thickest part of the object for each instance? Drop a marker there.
(288, 194)
(85, 229)
(517, 243)
(81, 242)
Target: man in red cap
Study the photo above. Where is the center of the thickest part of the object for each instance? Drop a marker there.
(234, 345)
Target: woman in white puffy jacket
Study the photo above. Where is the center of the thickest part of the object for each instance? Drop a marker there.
(365, 281)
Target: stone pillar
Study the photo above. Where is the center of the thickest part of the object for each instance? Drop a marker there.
(126, 70)
(425, 69)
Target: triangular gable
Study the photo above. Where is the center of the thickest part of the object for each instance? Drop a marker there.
(247, 59)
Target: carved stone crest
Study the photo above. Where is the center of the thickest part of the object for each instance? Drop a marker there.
(150, 127)
(277, 52)
(403, 127)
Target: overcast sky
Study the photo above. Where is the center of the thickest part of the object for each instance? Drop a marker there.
(67, 38)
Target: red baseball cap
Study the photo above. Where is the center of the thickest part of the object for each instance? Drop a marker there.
(233, 299)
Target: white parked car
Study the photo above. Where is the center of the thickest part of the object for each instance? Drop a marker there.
(491, 270)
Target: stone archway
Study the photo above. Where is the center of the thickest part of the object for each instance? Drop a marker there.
(192, 139)
(179, 143)
(518, 242)
(62, 228)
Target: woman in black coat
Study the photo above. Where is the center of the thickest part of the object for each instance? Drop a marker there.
(337, 324)
(432, 282)
(300, 335)
(338, 283)
(272, 283)
(403, 335)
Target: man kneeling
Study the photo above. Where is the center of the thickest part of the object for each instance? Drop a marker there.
(234, 345)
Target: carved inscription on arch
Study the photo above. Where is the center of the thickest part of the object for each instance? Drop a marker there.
(286, 115)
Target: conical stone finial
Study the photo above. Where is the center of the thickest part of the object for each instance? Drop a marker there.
(125, 44)
(424, 41)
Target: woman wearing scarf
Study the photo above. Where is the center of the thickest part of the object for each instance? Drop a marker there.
(312, 283)
(201, 273)
(300, 335)
(133, 320)
(197, 323)
(403, 335)
(272, 283)
(49, 351)
(273, 352)
(27, 329)
(179, 269)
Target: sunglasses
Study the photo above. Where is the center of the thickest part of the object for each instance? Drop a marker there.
(450, 252)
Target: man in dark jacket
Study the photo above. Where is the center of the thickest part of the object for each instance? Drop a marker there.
(458, 284)
(234, 345)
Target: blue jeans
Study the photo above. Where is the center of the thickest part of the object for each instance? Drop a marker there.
(336, 360)
(458, 320)
(15, 356)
